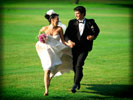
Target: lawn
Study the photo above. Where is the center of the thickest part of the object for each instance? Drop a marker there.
(107, 71)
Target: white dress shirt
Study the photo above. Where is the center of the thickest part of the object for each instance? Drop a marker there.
(81, 26)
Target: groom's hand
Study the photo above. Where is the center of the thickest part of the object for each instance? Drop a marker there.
(90, 37)
(71, 43)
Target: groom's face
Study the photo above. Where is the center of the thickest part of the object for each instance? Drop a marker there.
(78, 15)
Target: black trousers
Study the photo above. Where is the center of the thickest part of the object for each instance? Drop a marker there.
(78, 62)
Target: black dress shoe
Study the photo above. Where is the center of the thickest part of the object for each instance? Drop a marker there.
(74, 88)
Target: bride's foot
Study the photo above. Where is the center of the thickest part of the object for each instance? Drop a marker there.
(46, 94)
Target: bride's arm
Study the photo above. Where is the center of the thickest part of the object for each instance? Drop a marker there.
(43, 29)
(62, 37)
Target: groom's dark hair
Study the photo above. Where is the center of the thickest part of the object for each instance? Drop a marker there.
(81, 9)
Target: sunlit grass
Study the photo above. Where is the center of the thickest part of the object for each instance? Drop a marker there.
(106, 69)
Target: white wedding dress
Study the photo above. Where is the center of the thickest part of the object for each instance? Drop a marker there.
(54, 55)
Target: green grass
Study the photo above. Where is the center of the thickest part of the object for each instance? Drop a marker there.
(107, 67)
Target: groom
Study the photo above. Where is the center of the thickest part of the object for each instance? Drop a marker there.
(80, 34)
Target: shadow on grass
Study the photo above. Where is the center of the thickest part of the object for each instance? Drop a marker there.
(106, 91)
(122, 5)
(118, 91)
(56, 98)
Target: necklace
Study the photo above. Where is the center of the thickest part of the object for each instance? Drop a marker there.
(51, 29)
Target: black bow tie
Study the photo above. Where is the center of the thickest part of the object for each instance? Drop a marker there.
(81, 22)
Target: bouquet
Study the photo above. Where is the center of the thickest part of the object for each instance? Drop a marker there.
(42, 38)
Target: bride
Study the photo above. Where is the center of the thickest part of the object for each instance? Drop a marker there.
(54, 52)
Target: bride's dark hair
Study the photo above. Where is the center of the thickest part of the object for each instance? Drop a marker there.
(49, 17)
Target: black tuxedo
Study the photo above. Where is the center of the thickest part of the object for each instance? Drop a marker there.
(82, 45)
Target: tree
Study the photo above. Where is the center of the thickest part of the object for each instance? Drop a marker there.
(76, 1)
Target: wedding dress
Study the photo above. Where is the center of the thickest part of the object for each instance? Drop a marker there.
(54, 55)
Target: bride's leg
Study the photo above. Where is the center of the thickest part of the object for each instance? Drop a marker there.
(46, 81)
(51, 76)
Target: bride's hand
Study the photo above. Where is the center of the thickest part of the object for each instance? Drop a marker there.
(71, 44)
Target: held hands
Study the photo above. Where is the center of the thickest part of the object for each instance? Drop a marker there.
(90, 37)
(71, 44)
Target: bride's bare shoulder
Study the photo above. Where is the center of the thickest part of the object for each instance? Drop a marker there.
(59, 28)
(44, 28)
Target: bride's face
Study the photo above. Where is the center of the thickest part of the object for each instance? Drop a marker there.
(55, 21)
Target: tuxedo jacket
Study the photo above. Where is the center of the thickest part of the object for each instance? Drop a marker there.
(81, 43)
